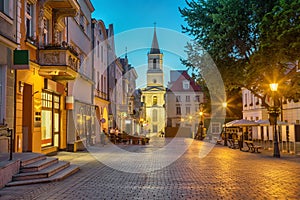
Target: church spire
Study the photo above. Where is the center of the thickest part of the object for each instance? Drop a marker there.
(154, 47)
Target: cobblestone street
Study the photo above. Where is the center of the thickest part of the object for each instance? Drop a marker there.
(223, 173)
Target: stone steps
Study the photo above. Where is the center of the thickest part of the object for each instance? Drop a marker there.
(37, 168)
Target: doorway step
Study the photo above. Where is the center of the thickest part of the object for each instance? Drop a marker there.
(38, 168)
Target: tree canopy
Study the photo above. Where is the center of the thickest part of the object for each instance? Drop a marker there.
(252, 42)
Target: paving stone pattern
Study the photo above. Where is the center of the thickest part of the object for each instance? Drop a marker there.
(223, 174)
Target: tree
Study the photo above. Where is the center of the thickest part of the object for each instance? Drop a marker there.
(239, 35)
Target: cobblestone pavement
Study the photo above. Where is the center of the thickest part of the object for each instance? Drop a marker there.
(223, 173)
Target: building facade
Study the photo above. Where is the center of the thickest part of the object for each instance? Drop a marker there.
(41, 90)
(130, 120)
(184, 100)
(100, 74)
(153, 96)
(8, 42)
(81, 120)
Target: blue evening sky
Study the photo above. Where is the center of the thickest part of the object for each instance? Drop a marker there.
(133, 22)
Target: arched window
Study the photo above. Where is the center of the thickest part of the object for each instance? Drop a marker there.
(154, 81)
(154, 63)
(154, 100)
(154, 116)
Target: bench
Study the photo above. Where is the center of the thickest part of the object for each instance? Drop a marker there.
(252, 147)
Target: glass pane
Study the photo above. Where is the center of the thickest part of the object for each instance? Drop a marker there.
(56, 122)
(46, 127)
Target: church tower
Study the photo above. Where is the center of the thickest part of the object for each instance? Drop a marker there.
(155, 75)
(153, 96)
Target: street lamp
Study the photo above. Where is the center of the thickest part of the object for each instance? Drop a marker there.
(200, 125)
(273, 114)
(224, 104)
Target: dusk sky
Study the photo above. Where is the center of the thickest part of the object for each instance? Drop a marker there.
(133, 22)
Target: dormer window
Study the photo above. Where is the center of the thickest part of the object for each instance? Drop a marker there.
(154, 81)
(186, 85)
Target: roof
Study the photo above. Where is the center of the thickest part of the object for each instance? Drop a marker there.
(178, 86)
(154, 46)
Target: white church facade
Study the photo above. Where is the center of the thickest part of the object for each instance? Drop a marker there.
(153, 95)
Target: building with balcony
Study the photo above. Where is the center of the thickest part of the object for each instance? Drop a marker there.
(41, 86)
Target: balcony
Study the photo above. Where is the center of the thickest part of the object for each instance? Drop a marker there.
(63, 4)
(58, 62)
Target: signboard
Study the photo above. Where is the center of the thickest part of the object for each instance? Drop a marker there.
(21, 59)
(69, 102)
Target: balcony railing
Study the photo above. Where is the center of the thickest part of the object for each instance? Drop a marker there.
(101, 95)
(59, 56)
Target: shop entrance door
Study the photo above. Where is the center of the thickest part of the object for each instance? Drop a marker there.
(27, 118)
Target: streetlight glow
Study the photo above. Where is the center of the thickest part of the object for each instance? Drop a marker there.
(201, 113)
(224, 104)
(273, 87)
(274, 114)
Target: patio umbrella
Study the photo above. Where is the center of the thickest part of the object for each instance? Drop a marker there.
(241, 122)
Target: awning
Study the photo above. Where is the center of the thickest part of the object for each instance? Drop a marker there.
(241, 122)
(266, 122)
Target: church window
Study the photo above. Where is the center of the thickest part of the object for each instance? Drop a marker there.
(154, 100)
(154, 63)
(154, 116)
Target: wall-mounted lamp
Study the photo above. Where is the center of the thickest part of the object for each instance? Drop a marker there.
(21, 86)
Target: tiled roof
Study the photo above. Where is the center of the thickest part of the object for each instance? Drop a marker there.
(178, 84)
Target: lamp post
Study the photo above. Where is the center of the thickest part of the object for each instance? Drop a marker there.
(200, 125)
(224, 104)
(273, 114)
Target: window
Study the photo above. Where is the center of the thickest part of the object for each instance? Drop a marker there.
(154, 63)
(101, 53)
(154, 100)
(188, 110)
(98, 52)
(98, 81)
(46, 31)
(178, 99)
(102, 83)
(187, 98)
(82, 22)
(178, 110)
(246, 100)
(154, 116)
(215, 128)
(6, 7)
(29, 20)
(154, 80)
(197, 98)
(185, 85)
